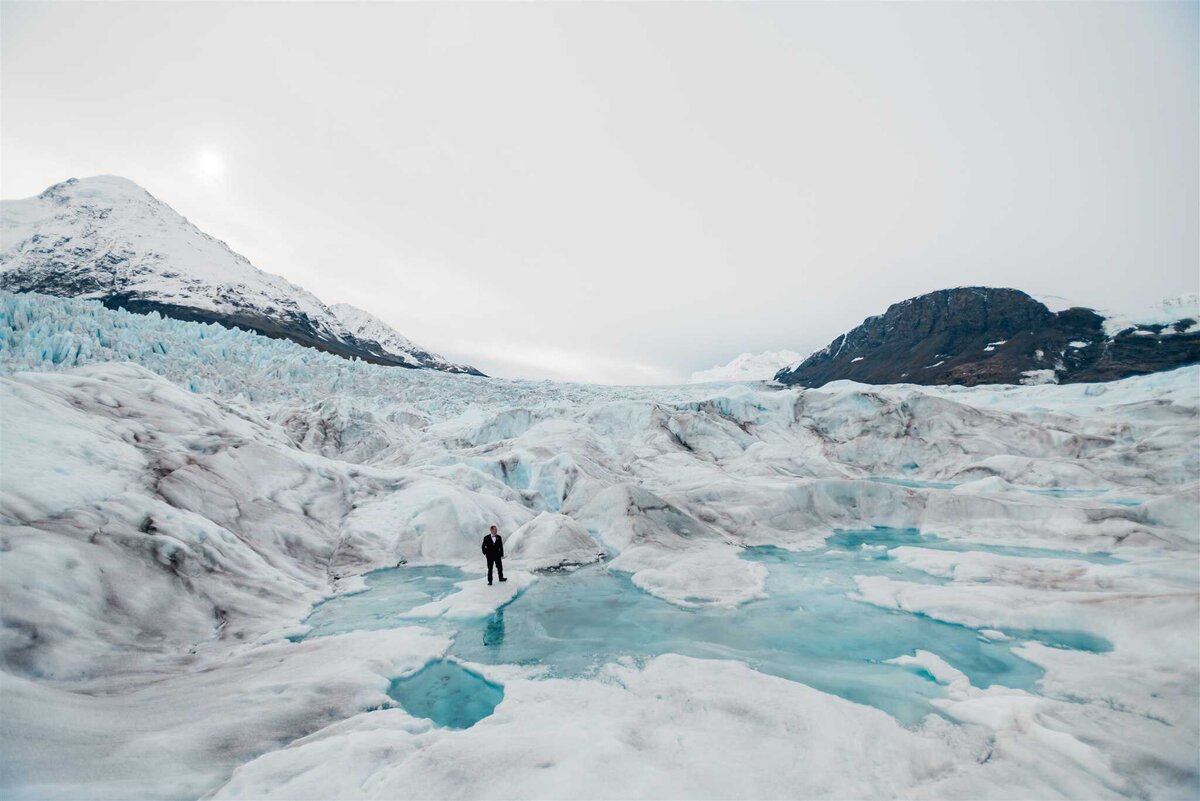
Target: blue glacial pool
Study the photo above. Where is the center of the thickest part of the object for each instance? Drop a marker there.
(808, 629)
(917, 483)
(884, 537)
(389, 592)
(448, 694)
(912, 483)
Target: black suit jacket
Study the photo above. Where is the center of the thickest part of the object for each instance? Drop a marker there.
(493, 549)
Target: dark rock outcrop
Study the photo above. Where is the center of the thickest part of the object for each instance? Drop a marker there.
(299, 328)
(983, 335)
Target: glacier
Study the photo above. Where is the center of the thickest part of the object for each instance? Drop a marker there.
(235, 567)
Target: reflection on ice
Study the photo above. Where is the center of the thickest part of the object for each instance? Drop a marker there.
(493, 631)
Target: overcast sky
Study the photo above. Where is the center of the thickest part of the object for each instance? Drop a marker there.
(625, 193)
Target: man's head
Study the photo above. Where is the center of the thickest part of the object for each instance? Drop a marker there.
(493, 529)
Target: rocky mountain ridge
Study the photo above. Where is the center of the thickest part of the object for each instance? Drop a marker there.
(987, 335)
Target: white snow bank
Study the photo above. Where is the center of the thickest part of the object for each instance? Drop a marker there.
(551, 540)
(475, 598)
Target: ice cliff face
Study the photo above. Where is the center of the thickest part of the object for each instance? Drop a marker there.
(106, 238)
(749, 367)
(982, 335)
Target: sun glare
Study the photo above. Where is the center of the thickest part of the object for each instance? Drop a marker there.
(209, 166)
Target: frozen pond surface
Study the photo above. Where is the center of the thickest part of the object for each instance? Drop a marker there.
(809, 628)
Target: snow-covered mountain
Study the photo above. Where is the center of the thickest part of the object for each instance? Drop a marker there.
(108, 239)
(367, 327)
(749, 367)
(990, 335)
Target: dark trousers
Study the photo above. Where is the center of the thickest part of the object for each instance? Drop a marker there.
(498, 561)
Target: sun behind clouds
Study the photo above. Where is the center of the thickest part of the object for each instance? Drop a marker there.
(209, 166)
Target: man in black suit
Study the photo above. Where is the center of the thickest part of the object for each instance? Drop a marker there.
(493, 549)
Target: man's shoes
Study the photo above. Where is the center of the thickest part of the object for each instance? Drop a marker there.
(502, 578)
(490, 583)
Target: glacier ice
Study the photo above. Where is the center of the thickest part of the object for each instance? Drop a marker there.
(191, 517)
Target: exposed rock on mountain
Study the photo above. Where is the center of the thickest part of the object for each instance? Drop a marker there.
(983, 335)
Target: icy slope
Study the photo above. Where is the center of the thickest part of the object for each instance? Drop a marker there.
(175, 497)
(107, 238)
(749, 367)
